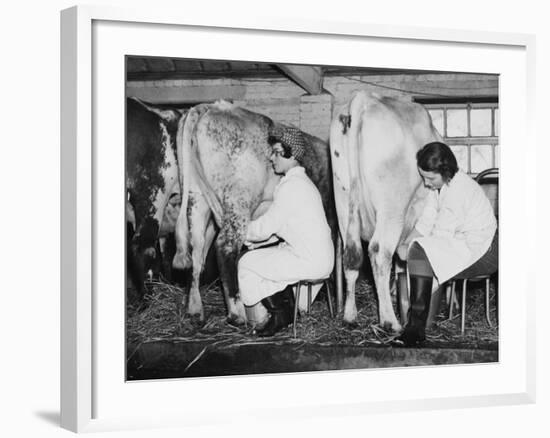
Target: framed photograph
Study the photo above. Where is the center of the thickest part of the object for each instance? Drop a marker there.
(131, 83)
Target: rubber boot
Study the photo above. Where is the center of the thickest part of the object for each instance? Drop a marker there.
(421, 294)
(280, 306)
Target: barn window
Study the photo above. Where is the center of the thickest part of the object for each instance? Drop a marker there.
(470, 127)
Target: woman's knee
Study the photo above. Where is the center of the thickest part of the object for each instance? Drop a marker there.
(418, 262)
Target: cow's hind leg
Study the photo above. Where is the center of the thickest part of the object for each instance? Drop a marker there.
(228, 246)
(350, 308)
(352, 260)
(381, 249)
(201, 237)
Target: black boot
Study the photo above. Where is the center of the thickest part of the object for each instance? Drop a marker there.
(281, 308)
(421, 294)
(403, 300)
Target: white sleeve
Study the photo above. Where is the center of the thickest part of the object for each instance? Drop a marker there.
(274, 218)
(450, 216)
(426, 221)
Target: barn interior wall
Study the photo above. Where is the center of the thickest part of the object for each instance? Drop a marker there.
(284, 101)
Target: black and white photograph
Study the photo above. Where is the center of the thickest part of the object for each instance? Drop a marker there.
(285, 218)
(282, 219)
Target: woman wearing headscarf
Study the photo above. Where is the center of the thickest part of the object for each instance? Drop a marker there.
(297, 217)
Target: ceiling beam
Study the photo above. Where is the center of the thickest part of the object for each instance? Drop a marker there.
(308, 77)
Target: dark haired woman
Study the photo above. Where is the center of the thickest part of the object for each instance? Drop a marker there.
(297, 217)
(456, 232)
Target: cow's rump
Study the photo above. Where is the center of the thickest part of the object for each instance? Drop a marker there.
(377, 187)
(227, 178)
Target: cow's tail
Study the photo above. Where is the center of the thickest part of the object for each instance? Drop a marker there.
(204, 186)
(182, 259)
(357, 106)
(190, 170)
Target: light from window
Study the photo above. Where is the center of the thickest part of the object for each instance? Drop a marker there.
(457, 123)
(471, 130)
(438, 121)
(480, 122)
(481, 157)
(461, 154)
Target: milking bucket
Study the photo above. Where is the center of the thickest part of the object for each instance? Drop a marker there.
(256, 315)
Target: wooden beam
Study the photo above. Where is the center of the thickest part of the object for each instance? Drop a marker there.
(308, 77)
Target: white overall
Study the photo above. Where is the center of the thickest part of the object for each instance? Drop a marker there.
(457, 226)
(297, 216)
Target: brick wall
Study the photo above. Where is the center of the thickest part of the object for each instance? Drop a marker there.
(284, 101)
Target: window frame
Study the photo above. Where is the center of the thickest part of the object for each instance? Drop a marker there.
(469, 140)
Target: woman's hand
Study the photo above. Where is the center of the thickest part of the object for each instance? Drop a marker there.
(253, 245)
(249, 245)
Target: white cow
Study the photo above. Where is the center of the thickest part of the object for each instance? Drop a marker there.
(377, 187)
(227, 179)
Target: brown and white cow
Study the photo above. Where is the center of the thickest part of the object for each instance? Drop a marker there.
(152, 185)
(377, 187)
(228, 180)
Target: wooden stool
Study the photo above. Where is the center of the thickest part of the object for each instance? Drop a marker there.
(309, 284)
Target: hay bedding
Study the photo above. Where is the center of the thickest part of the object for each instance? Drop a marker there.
(164, 319)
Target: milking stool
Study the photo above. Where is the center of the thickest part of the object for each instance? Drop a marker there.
(465, 279)
(309, 284)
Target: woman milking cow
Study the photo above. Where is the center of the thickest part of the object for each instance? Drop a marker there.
(456, 234)
(297, 217)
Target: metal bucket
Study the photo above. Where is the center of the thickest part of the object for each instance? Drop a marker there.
(256, 315)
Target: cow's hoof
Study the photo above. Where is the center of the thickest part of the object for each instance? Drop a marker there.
(351, 325)
(196, 320)
(195, 308)
(350, 315)
(196, 316)
(235, 320)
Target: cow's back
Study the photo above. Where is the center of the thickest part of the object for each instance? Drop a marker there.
(374, 161)
(233, 152)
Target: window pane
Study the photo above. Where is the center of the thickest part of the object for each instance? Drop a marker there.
(480, 122)
(457, 123)
(497, 123)
(461, 154)
(482, 157)
(437, 120)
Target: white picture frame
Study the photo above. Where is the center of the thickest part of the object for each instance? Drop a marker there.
(88, 178)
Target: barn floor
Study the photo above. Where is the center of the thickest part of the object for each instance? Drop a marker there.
(162, 342)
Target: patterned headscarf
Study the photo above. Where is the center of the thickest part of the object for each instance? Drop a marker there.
(290, 137)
